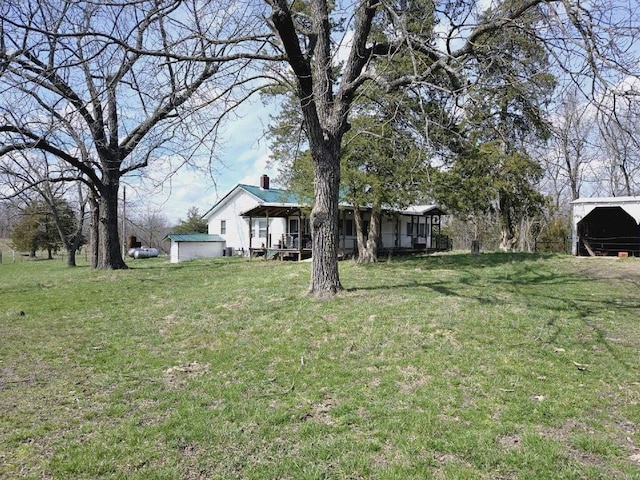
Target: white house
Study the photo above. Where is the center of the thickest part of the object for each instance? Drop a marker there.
(234, 217)
(607, 226)
(195, 245)
(259, 218)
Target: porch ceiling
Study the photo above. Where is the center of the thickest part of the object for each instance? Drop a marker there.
(293, 210)
(273, 211)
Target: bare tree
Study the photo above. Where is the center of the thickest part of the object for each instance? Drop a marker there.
(110, 87)
(620, 146)
(25, 175)
(149, 226)
(5, 219)
(572, 152)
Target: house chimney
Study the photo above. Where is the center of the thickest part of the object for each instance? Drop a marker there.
(264, 182)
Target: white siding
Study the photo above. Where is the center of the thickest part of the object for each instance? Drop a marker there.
(184, 251)
(277, 227)
(388, 232)
(237, 227)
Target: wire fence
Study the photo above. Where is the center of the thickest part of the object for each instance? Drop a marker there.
(554, 246)
(562, 245)
(609, 246)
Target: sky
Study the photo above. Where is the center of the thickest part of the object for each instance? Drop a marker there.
(242, 159)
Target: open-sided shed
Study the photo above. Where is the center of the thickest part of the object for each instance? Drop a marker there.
(606, 226)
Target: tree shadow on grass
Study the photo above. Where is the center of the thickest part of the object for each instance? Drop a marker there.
(525, 273)
(453, 260)
(564, 294)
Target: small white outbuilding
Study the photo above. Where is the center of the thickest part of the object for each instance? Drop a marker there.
(195, 245)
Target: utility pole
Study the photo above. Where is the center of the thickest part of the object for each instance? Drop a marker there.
(124, 220)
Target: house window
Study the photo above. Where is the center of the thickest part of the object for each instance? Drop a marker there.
(419, 229)
(293, 225)
(262, 228)
(223, 227)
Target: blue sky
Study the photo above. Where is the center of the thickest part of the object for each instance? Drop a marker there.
(242, 159)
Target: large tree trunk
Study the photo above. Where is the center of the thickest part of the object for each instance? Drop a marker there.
(508, 239)
(368, 241)
(369, 254)
(359, 224)
(71, 255)
(109, 254)
(325, 281)
(74, 245)
(374, 238)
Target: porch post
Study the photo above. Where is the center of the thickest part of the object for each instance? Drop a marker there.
(344, 230)
(268, 242)
(413, 231)
(427, 243)
(300, 227)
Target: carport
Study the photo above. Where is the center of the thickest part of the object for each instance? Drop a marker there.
(606, 226)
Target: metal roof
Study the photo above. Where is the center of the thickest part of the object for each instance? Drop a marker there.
(422, 210)
(606, 200)
(584, 206)
(272, 195)
(194, 237)
(275, 202)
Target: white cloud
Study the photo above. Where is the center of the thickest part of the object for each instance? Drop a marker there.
(243, 159)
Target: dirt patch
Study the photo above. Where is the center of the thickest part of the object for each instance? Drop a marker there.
(178, 375)
(609, 268)
(510, 442)
(321, 411)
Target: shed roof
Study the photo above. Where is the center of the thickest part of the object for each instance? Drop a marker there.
(583, 206)
(194, 237)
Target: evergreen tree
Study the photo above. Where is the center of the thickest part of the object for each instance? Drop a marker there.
(193, 224)
(37, 229)
(504, 113)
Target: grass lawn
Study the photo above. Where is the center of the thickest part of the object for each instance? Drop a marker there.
(495, 366)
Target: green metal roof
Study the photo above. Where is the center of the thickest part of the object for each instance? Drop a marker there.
(271, 195)
(195, 237)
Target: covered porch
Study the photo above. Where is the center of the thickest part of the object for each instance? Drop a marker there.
(291, 241)
(418, 228)
(414, 230)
